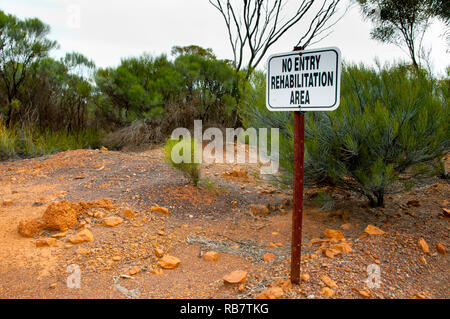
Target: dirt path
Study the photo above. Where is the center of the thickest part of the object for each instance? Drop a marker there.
(213, 217)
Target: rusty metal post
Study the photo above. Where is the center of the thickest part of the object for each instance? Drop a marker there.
(297, 213)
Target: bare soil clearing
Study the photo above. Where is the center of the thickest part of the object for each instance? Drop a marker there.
(121, 261)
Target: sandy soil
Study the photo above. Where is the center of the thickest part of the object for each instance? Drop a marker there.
(213, 217)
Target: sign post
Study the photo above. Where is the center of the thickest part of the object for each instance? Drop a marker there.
(302, 81)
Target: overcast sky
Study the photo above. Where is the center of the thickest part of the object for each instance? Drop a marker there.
(108, 30)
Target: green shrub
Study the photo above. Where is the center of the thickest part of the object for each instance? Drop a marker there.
(188, 166)
(389, 120)
(27, 142)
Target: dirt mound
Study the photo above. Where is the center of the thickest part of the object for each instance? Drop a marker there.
(61, 216)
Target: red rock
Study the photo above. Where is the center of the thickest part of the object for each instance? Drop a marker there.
(364, 293)
(211, 256)
(158, 252)
(98, 214)
(169, 262)
(45, 242)
(271, 293)
(161, 210)
(128, 213)
(423, 245)
(446, 212)
(333, 234)
(134, 271)
(327, 292)
(7, 202)
(268, 257)
(328, 281)
(305, 277)
(112, 221)
(30, 228)
(235, 277)
(82, 236)
(60, 216)
(344, 248)
(373, 230)
(441, 248)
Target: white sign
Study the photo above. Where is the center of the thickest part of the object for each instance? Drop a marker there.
(304, 80)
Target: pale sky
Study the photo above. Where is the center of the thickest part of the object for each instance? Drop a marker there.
(108, 30)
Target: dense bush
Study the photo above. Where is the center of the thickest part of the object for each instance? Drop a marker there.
(30, 142)
(388, 120)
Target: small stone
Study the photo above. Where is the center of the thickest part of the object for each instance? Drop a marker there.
(53, 286)
(161, 210)
(271, 293)
(259, 209)
(268, 257)
(235, 277)
(169, 262)
(82, 236)
(242, 288)
(328, 281)
(98, 214)
(158, 252)
(7, 202)
(117, 258)
(211, 256)
(68, 246)
(272, 245)
(327, 292)
(45, 242)
(333, 234)
(423, 260)
(30, 228)
(441, 248)
(364, 293)
(59, 235)
(305, 277)
(112, 221)
(157, 271)
(446, 212)
(420, 296)
(373, 230)
(134, 270)
(128, 213)
(344, 248)
(423, 245)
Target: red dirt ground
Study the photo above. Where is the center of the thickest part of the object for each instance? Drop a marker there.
(215, 217)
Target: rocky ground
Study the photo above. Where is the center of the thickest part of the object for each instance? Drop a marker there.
(132, 227)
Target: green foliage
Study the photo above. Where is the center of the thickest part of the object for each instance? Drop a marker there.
(190, 167)
(29, 142)
(388, 120)
(402, 22)
(22, 43)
